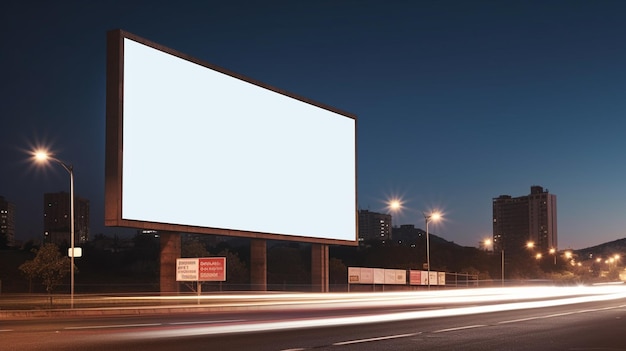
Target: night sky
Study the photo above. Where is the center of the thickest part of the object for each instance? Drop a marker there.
(457, 102)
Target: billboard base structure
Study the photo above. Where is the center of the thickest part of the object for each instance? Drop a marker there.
(319, 267)
(258, 264)
(170, 251)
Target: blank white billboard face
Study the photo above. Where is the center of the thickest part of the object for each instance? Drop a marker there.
(202, 148)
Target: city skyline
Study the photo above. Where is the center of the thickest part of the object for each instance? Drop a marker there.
(457, 102)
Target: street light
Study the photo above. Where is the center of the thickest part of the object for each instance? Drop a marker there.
(489, 242)
(394, 206)
(42, 156)
(553, 253)
(433, 216)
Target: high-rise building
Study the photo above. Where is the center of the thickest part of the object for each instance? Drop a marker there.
(530, 218)
(7, 222)
(56, 219)
(374, 226)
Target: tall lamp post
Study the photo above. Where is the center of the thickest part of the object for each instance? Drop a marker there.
(489, 242)
(43, 156)
(433, 216)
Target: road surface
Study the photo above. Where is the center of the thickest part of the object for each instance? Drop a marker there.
(469, 320)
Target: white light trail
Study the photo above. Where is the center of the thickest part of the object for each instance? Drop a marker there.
(530, 297)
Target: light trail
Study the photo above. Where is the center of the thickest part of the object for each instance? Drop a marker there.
(500, 298)
(406, 298)
(114, 326)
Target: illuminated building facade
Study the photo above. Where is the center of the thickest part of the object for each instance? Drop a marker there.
(374, 226)
(7, 222)
(56, 219)
(530, 218)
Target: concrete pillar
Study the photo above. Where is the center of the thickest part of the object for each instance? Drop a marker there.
(319, 267)
(170, 251)
(258, 264)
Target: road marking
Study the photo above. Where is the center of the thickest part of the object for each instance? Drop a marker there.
(374, 339)
(209, 322)
(519, 320)
(114, 326)
(459, 328)
(559, 314)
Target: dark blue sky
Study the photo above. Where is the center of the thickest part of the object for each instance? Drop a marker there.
(457, 101)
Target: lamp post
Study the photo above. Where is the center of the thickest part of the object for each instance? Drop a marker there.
(43, 156)
(503, 266)
(553, 253)
(489, 242)
(427, 218)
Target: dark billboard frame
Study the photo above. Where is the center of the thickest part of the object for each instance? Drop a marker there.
(114, 146)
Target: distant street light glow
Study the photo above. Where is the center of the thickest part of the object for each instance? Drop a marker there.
(394, 205)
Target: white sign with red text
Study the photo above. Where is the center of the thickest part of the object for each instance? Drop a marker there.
(205, 269)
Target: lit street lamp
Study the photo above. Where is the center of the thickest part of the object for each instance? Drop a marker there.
(486, 243)
(394, 206)
(43, 156)
(434, 216)
(553, 253)
(489, 242)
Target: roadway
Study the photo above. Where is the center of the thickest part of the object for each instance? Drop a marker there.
(472, 319)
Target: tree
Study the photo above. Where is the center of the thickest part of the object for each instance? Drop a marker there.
(194, 249)
(236, 270)
(48, 265)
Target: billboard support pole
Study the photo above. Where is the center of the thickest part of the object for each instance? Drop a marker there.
(170, 251)
(258, 264)
(319, 267)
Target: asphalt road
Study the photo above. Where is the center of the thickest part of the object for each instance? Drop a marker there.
(595, 325)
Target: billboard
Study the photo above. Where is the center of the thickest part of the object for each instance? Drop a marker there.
(205, 269)
(192, 147)
(363, 275)
(421, 278)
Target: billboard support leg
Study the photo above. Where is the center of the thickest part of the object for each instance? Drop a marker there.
(319, 267)
(170, 251)
(258, 264)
